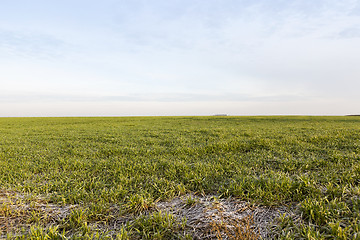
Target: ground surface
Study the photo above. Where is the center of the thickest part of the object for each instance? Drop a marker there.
(180, 178)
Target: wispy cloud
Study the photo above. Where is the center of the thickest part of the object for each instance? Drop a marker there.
(350, 33)
(31, 45)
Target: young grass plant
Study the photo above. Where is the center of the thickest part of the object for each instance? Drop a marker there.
(158, 225)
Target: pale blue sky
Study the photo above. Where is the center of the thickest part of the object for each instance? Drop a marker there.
(179, 57)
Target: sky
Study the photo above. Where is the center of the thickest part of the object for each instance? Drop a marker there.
(179, 57)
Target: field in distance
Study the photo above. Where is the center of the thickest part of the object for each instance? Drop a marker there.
(149, 177)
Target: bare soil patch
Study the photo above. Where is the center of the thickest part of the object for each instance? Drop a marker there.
(209, 217)
(21, 212)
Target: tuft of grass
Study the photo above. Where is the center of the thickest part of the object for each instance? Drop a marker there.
(158, 225)
(138, 204)
(191, 201)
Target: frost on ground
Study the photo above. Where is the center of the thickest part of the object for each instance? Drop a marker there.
(20, 212)
(209, 217)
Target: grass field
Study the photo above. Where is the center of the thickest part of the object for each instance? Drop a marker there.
(103, 178)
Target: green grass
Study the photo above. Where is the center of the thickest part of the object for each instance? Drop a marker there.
(110, 167)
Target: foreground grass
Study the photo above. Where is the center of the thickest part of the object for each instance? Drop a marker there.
(111, 167)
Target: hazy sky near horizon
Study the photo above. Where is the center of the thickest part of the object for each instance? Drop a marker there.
(179, 57)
